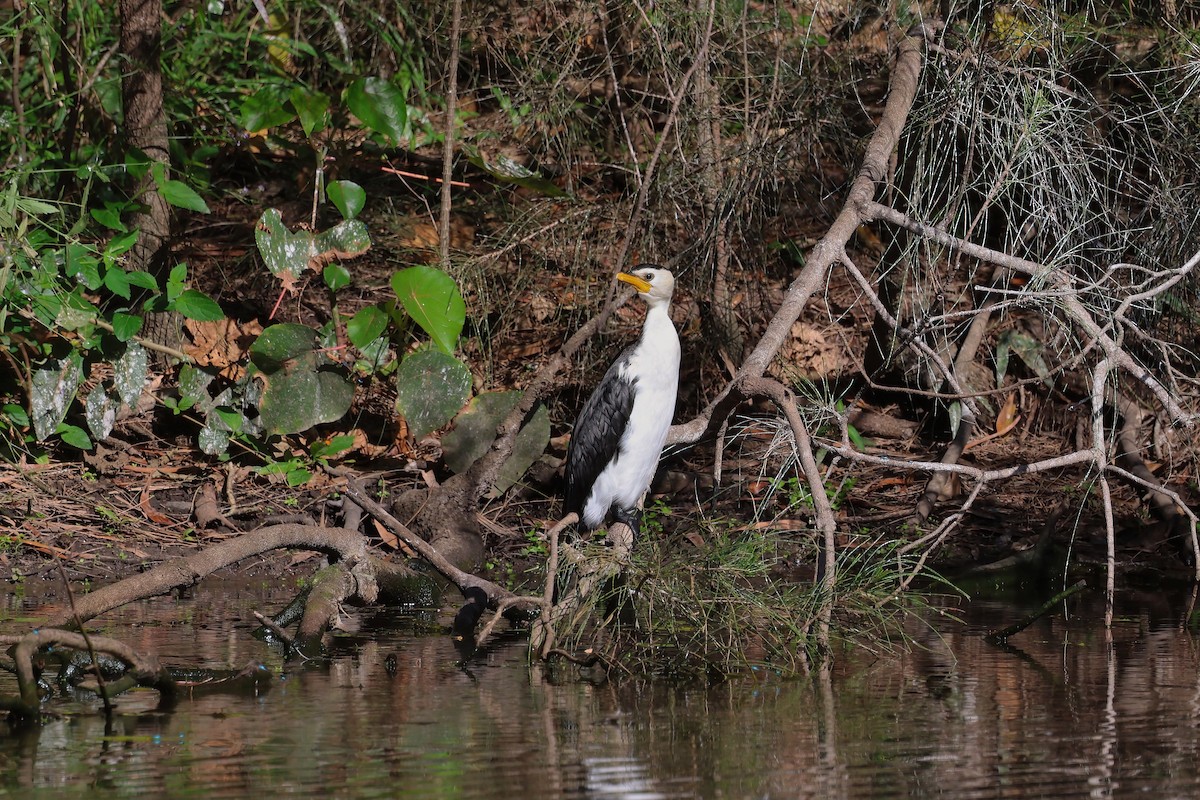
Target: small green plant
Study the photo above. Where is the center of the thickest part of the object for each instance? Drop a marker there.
(535, 544)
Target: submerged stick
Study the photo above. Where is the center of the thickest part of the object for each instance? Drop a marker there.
(998, 637)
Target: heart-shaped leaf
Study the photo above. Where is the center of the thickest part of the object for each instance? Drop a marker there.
(431, 387)
(475, 430)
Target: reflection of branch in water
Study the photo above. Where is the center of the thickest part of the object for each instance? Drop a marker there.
(997, 637)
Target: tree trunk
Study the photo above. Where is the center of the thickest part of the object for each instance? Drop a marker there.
(146, 130)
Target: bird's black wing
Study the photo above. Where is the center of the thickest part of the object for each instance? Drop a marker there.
(598, 432)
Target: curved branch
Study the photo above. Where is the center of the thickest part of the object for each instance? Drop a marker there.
(902, 90)
(348, 546)
(147, 671)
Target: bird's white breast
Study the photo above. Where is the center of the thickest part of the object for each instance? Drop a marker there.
(655, 365)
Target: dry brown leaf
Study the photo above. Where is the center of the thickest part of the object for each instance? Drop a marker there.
(222, 343)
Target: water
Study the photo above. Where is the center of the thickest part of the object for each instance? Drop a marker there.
(1057, 714)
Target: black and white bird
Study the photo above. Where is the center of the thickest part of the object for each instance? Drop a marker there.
(619, 434)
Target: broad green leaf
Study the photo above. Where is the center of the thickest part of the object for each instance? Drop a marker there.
(336, 277)
(279, 344)
(121, 243)
(298, 397)
(298, 476)
(348, 197)
(366, 326)
(16, 415)
(335, 445)
(432, 299)
(117, 282)
(176, 281)
(180, 195)
(313, 108)
(109, 218)
(265, 109)
(380, 105)
(431, 387)
(143, 280)
(475, 430)
(74, 436)
(125, 326)
(198, 306)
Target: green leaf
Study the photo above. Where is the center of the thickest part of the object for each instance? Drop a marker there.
(121, 243)
(335, 445)
(16, 415)
(125, 326)
(431, 387)
(475, 430)
(288, 254)
(298, 477)
(265, 109)
(34, 207)
(432, 299)
(336, 277)
(380, 105)
(74, 436)
(109, 218)
(198, 306)
(180, 195)
(279, 344)
(117, 282)
(348, 197)
(366, 326)
(143, 280)
(176, 281)
(506, 170)
(312, 107)
(299, 397)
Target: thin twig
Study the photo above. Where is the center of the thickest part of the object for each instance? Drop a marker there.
(451, 124)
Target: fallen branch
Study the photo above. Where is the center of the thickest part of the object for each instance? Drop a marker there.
(145, 669)
(1000, 636)
(348, 546)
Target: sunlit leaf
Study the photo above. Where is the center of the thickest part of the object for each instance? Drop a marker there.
(432, 299)
(100, 412)
(366, 326)
(129, 373)
(51, 393)
(198, 306)
(125, 326)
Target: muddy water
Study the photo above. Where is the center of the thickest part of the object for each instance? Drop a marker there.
(1059, 713)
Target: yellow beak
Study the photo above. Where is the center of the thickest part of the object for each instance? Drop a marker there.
(640, 284)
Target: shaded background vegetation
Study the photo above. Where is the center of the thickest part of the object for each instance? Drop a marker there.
(715, 138)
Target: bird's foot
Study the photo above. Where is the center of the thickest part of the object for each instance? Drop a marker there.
(631, 517)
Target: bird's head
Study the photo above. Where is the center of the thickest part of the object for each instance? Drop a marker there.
(654, 284)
